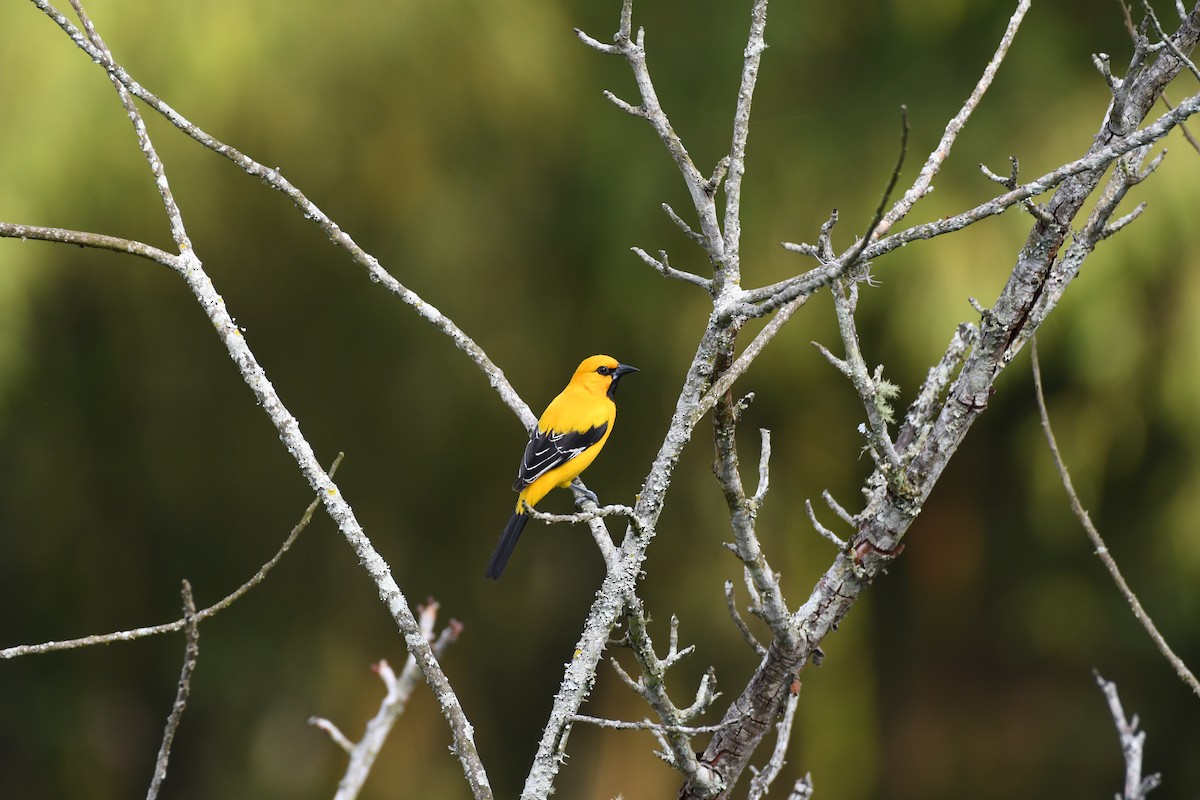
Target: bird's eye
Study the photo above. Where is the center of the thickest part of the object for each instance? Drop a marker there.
(604, 370)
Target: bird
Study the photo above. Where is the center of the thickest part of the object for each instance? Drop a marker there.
(569, 435)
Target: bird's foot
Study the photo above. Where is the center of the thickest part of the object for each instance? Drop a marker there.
(583, 493)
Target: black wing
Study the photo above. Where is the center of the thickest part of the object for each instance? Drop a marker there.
(548, 449)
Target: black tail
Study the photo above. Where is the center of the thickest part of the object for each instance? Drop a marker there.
(508, 543)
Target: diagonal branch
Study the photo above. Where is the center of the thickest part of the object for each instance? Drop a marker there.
(179, 624)
(1101, 550)
(190, 654)
(924, 182)
(192, 271)
(310, 211)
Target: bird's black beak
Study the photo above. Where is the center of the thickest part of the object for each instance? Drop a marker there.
(622, 369)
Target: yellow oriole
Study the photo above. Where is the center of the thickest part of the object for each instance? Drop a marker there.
(569, 436)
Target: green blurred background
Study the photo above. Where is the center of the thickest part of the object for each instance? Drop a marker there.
(467, 145)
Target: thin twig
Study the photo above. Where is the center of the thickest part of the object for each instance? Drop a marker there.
(821, 529)
(583, 516)
(868, 236)
(632, 46)
(663, 266)
(190, 654)
(743, 512)
(100, 241)
(399, 689)
(179, 624)
(1098, 542)
(174, 215)
(1133, 743)
(645, 725)
(678, 750)
(924, 182)
(739, 623)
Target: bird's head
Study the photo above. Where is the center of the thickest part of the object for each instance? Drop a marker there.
(601, 374)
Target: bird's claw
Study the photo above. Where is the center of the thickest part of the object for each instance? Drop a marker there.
(583, 493)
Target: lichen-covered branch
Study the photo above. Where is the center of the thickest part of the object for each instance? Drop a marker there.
(189, 267)
(1133, 744)
(888, 515)
(399, 689)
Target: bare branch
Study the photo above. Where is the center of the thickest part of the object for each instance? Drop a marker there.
(920, 414)
(998, 205)
(179, 624)
(1127, 174)
(887, 517)
(596, 44)
(333, 732)
(645, 725)
(752, 55)
(837, 509)
(628, 108)
(1183, 128)
(757, 302)
(739, 623)
(678, 750)
(174, 215)
(399, 691)
(683, 226)
(724, 383)
(190, 654)
(851, 260)
(632, 48)
(664, 268)
(764, 470)
(192, 271)
(821, 529)
(1093, 534)
(583, 516)
(1132, 743)
(873, 391)
(924, 182)
(1012, 182)
(99, 241)
(743, 512)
